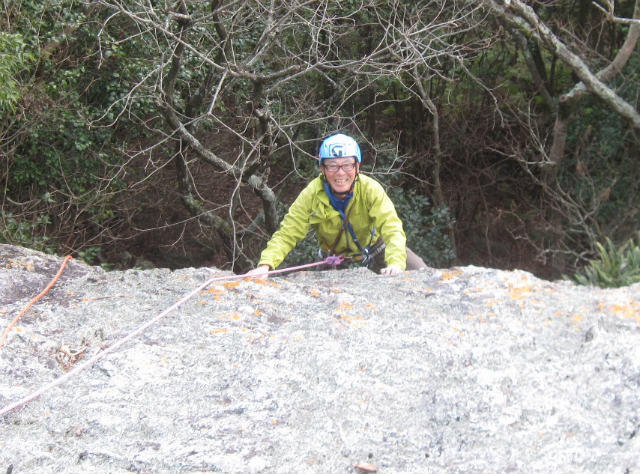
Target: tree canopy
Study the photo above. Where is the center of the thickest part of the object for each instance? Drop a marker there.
(178, 132)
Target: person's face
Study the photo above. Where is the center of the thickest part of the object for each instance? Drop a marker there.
(340, 172)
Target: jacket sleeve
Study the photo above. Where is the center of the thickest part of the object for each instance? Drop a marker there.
(389, 225)
(293, 228)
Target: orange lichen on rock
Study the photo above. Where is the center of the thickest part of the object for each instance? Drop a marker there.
(230, 316)
(630, 309)
(214, 290)
(262, 281)
(355, 321)
(576, 318)
(448, 275)
(520, 292)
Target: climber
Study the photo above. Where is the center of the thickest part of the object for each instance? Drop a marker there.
(350, 212)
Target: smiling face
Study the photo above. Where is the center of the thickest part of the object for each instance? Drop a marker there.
(339, 178)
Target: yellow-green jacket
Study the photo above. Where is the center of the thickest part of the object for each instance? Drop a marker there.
(369, 207)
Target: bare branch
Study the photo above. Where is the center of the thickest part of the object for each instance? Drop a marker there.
(609, 12)
(621, 59)
(523, 17)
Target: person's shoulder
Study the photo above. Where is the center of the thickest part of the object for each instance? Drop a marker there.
(313, 188)
(317, 181)
(315, 185)
(369, 183)
(366, 178)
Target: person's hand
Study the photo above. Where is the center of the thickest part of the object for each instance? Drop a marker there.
(260, 271)
(390, 270)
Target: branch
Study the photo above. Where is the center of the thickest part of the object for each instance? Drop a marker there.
(611, 16)
(257, 183)
(536, 73)
(523, 16)
(621, 59)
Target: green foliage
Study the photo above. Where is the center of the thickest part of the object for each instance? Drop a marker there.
(601, 174)
(305, 252)
(307, 249)
(55, 159)
(90, 255)
(81, 91)
(13, 58)
(25, 233)
(425, 226)
(614, 267)
(59, 164)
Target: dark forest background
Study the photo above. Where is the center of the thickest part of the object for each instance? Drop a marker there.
(176, 133)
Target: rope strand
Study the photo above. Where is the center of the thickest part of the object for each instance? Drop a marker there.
(331, 260)
(5, 334)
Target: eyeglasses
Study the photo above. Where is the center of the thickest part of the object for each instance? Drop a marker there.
(331, 168)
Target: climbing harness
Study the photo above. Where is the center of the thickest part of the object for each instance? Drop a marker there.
(333, 260)
(364, 259)
(367, 253)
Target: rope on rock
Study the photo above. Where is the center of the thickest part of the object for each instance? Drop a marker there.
(5, 334)
(332, 260)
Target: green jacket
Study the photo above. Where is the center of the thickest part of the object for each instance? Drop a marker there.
(370, 207)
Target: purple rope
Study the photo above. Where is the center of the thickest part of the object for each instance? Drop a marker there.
(334, 260)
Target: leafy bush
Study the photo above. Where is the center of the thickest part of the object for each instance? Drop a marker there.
(16, 230)
(52, 88)
(305, 252)
(13, 58)
(425, 226)
(615, 267)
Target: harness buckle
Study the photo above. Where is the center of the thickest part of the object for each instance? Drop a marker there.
(365, 257)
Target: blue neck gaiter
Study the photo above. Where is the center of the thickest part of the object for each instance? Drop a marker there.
(339, 205)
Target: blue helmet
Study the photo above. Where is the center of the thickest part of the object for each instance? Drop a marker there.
(339, 145)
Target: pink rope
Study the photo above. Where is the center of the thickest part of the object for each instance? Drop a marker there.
(331, 260)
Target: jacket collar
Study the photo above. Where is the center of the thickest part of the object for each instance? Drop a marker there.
(323, 195)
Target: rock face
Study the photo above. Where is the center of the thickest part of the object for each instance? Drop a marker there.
(464, 370)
